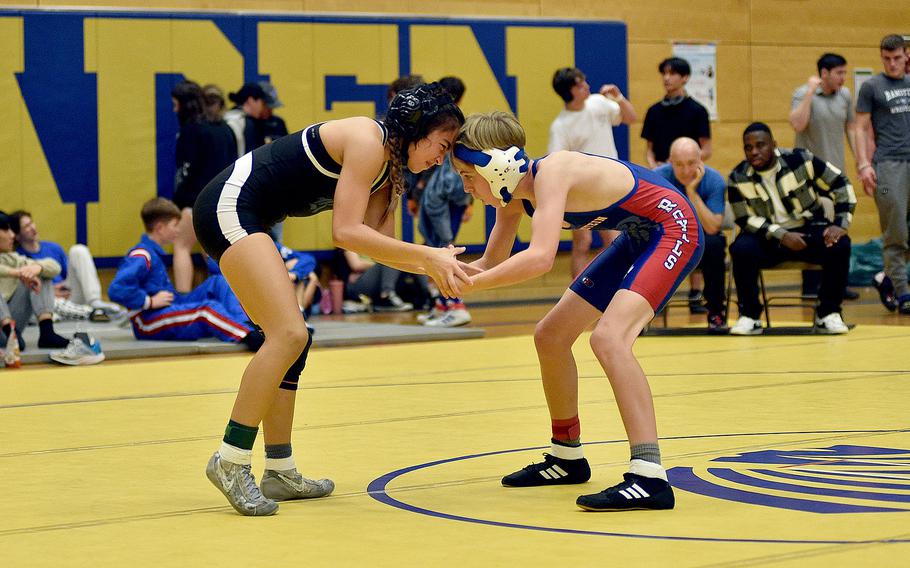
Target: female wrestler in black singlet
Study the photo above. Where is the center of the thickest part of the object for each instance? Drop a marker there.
(353, 166)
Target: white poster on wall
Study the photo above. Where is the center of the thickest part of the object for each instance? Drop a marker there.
(702, 85)
(860, 76)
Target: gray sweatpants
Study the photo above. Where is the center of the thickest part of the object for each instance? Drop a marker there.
(892, 197)
(377, 279)
(24, 303)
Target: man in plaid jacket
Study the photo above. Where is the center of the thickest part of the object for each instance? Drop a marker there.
(775, 199)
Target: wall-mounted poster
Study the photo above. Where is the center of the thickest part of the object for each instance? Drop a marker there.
(702, 85)
(860, 76)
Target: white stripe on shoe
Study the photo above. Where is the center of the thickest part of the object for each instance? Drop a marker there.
(640, 490)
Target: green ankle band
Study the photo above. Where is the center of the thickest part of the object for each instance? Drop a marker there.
(240, 436)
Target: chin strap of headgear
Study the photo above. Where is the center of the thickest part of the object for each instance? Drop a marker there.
(502, 169)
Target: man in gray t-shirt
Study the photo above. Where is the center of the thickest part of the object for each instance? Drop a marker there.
(883, 111)
(822, 111)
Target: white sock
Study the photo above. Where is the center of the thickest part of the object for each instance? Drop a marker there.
(234, 454)
(647, 469)
(566, 452)
(280, 464)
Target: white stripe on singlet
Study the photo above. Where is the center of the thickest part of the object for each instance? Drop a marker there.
(228, 220)
(313, 160)
(327, 173)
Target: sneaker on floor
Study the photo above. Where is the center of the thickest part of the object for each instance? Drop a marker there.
(903, 304)
(885, 291)
(238, 484)
(353, 307)
(289, 484)
(553, 471)
(717, 324)
(67, 309)
(696, 302)
(436, 313)
(82, 350)
(832, 324)
(99, 316)
(113, 311)
(451, 318)
(747, 326)
(850, 294)
(392, 303)
(636, 492)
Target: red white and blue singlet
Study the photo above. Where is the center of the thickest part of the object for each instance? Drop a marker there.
(661, 242)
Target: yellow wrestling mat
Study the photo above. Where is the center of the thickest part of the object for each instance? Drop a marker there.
(785, 451)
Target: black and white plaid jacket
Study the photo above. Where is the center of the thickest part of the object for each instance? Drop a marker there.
(801, 180)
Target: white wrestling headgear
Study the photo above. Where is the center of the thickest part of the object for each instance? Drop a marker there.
(502, 169)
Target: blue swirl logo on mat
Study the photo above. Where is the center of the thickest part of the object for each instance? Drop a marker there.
(837, 479)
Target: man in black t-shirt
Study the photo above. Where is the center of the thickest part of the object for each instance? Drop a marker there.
(675, 116)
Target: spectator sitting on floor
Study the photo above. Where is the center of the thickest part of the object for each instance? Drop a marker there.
(26, 290)
(704, 186)
(775, 196)
(301, 270)
(157, 310)
(77, 289)
(363, 277)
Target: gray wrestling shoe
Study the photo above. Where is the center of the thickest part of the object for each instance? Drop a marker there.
(289, 484)
(239, 486)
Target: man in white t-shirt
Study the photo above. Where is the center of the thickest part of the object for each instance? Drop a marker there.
(586, 125)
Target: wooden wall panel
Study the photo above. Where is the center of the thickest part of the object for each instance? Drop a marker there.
(716, 20)
(826, 24)
(765, 49)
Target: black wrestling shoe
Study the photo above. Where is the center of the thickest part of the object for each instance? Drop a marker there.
(553, 471)
(636, 492)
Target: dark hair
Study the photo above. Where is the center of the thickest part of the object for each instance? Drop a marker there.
(892, 42)
(213, 97)
(247, 91)
(413, 114)
(15, 219)
(404, 83)
(564, 79)
(190, 104)
(757, 127)
(156, 210)
(5, 222)
(829, 61)
(454, 86)
(677, 65)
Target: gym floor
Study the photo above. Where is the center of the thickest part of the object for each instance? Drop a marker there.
(784, 450)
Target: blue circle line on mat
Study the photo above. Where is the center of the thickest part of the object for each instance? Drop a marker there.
(377, 490)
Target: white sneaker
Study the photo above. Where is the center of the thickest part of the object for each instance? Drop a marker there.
(452, 318)
(67, 309)
(832, 324)
(747, 326)
(435, 313)
(82, 350)
(352, 307)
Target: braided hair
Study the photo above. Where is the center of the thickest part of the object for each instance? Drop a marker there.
(413, 114)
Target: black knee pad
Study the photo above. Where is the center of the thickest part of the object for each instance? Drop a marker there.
(293, 375)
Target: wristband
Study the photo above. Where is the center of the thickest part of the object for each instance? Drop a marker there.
(863, 167)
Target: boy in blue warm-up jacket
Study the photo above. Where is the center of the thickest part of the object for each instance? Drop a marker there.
(157, 311)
